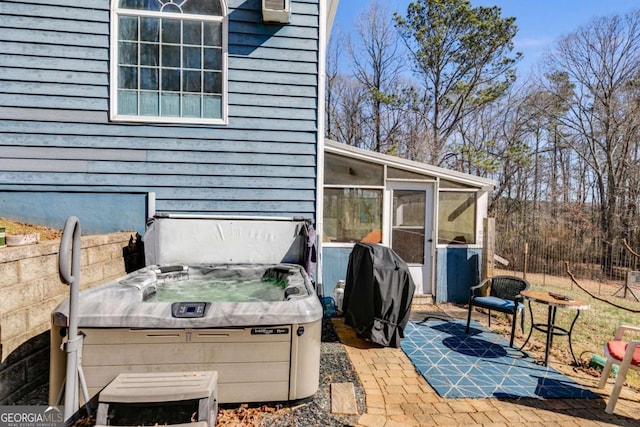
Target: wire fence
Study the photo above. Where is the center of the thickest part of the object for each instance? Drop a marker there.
(604, 269)
(607, 278)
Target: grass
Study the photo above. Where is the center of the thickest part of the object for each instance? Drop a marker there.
(594, 327)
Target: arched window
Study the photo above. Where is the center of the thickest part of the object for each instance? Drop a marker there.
(169, 61)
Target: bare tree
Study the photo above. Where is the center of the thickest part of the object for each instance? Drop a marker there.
(602, 61)
(349, 119)
(376, 65)
(332, 90)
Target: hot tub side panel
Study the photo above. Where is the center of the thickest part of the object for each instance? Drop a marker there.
(253, 364)
(305, 360)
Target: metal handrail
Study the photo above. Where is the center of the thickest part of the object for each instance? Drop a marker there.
(69, 269)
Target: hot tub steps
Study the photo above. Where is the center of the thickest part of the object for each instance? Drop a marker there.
(156, 388)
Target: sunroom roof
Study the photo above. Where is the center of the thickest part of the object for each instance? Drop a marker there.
(408, 165)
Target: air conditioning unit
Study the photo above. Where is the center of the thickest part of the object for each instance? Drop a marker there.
(276, 11)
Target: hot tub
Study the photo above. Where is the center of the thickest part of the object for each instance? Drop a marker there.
(256, 322)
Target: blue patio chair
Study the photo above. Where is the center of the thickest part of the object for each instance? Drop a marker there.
(499, 293)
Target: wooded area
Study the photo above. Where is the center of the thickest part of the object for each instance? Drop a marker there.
(437, 83)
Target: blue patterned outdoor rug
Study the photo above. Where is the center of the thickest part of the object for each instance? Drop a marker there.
(481, 364)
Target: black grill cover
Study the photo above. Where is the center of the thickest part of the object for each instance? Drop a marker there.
(377, 294)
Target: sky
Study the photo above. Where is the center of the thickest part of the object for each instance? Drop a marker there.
(541, 23)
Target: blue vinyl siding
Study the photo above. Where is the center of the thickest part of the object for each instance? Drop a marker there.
(55, 133)
(457, 270)
(335, 261)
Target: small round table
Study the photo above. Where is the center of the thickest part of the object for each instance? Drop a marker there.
(553, 301)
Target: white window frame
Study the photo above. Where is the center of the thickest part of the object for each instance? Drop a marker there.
(116, 11)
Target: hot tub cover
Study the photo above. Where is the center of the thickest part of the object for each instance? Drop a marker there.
(378, 294)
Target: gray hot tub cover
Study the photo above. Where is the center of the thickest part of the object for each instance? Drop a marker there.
(378, 294)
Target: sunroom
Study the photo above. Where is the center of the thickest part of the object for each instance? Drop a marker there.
(430, 216)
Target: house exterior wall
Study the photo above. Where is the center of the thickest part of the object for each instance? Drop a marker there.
(457, 270)
(335, 263)
(56, 137)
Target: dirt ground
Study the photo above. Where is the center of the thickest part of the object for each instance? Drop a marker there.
(16, 228)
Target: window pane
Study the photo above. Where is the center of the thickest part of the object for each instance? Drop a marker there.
(149, 29)
(127, 102)
(191, 81)
(153, 5)
(149, 104)
(211, 107)
(191, 33)
(170, 31)
(149, 78)
(149, 54)
(212, 83)
(127, 78)
(407, 238)
(212, 59)
(170, 104)
(128, 28)
(171, 80)
(161, 61)
(199, 7)
(170, 56)
(191, 106)
(203, 7)
(341, 170)
(457, 218)
(449, 184)
(352, 214)
(402, 174)
(127, 53)
(171, 8)
(192, 57)
(213, 34)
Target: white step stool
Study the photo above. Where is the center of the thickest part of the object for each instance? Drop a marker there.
(158, 387)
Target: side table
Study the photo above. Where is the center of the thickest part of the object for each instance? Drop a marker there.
(553, 301)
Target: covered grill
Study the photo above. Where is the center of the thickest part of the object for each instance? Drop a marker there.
(378, 294)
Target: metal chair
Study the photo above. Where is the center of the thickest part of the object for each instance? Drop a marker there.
(625, 354)
(498, 293)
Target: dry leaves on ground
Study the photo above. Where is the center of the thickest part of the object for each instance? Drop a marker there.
(244, 415)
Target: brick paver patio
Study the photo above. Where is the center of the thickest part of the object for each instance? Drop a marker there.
(396, 395)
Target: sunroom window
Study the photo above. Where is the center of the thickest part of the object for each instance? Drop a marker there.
(169, 61)
(353, 195)
(457, 217)
(352, 215)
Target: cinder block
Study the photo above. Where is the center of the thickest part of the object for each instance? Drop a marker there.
(13, 323)
(90, 274)
(114, 268)
(8, 273)
(103, 253)
(31, 286)
(35, 268)
(21, 295)
(40, 314)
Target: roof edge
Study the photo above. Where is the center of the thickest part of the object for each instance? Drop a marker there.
(372, 156)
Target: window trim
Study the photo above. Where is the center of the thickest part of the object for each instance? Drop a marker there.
(116, 11)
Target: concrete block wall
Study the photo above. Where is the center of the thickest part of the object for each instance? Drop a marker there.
(30, 288)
